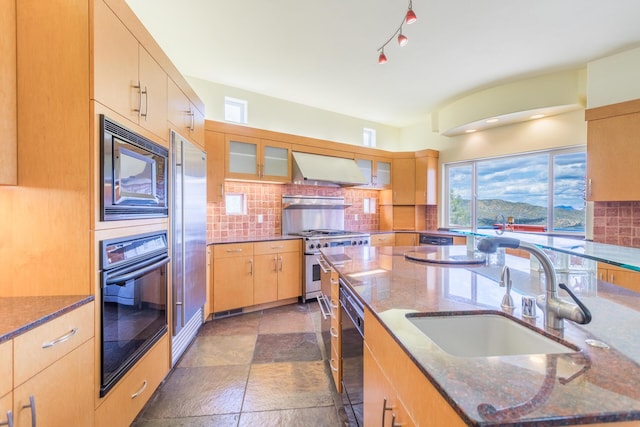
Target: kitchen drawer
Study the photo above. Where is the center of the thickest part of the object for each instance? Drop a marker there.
(336, 339)
(385, 239)
(335, 363)
(276, 246)
(35, 350)
(6, 368)
(127, 398)
(232, 250)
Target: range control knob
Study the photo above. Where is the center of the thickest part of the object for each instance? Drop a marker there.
(353, 243)
(360, 242)
(311, 246)
(366, 242)
(326, 245)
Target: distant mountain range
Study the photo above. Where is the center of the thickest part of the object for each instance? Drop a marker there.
(566, 217)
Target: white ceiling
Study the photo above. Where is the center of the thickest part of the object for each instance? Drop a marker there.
(324, 53)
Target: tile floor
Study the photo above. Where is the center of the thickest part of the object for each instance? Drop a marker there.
(265, 368)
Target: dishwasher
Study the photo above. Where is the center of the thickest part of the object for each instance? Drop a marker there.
(433, 240)
(352, 333)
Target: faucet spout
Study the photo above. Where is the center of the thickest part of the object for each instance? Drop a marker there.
(555, 308)
(505, 280)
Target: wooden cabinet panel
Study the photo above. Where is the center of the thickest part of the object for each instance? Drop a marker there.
(612, 150)
(426, 181)
(126, 78)
(232, 250)
(406, 239)
(460, 240)
(403, 181)
(185, 118)
(404, 218)
(232, 282)
(208, 305)
(6, 369)
(384, 239)
(377, 171)
(214, 146)
(289, 275)
(619, 276)
(8, 94)
(6, 409)
(127, 398)
(42, 346)
(265, 288)
(62, 393)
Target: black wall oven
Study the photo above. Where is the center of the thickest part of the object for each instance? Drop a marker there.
(134, 301)
(134, 174)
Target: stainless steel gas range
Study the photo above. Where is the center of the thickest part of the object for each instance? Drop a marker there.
(319, 220)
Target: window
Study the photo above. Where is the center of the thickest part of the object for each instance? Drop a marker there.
(235, 204)
(235, 110)
(533, 192)
(368, 137)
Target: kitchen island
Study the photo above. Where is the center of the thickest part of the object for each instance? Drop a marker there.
(588, 386)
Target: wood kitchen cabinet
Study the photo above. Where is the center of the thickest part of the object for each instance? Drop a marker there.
(376, 170)
(406, 239)
(257, 159)
(403, 181)
(6, 382)
(426, 189)
(186, 119)
(335, 330)
(612, 150)
(8, 94)
(53, 371)
(278, 270)
(382, 239)
(214, 146)
(390, 373)
(233, 272)
(126, 77)
(628, 279)
(127, 398)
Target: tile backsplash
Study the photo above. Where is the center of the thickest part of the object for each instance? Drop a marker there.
(617, 223)
(265, 199)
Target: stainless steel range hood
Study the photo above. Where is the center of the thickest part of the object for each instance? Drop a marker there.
(314, 169)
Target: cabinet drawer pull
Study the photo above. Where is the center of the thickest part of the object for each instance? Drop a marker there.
(32, 405)
(9, 421)
(277, 247)
(60, 339)
(334, 369)
(334, 305)
(140, 390)
(233, 250)
(334, 282)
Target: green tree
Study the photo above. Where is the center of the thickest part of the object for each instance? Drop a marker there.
(458, 210)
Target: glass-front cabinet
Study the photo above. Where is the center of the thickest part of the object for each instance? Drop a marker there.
(257, 159)
(377, 171)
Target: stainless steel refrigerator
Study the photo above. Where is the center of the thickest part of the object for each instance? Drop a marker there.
(188, 238)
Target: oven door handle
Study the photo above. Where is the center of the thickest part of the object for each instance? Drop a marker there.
(113, 280)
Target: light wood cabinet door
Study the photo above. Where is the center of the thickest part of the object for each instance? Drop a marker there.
(426, 181)
(257, 159)
(6, 409)
(403, 181)
(233, 275)
(196, 129)
(376, 171)
(289, 275)
(612, 150)
(619, 276)
(125, 77)
(128, 397)
(62, 394)
(183, 116)
(6, 368)
(8, 94)
(265, 287)
(214, 146)
(406, 239)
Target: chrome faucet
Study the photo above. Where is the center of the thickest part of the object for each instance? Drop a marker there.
(503, 222)
(555, 309)
(505, 280)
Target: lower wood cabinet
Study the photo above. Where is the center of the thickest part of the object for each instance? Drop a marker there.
(389, 373)
(383, 239)
(619, 276)
(246, 274)
(335, 361)
(128, 397)
(406, 239)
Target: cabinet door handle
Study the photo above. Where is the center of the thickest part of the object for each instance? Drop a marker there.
(333, 332)
(139, 109)
(333, 368)
(140, 390)
(60, 339)
(222, 190)
(32, 405)
(275, 263)
(385, 409)
(251, 267)
(277, 247)
(9, 421)
(281, 263)
(590, 187)
(612, 279)
(146, 103)
(395, 199)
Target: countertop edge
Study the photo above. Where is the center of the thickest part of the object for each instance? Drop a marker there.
(57, 312)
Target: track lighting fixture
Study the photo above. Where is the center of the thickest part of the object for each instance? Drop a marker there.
(409, 18)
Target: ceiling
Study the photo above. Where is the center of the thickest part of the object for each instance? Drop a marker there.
(324, 53)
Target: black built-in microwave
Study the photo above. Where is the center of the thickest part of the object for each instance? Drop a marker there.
(134, 174)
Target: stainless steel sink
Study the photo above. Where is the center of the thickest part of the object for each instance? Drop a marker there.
(485, 335)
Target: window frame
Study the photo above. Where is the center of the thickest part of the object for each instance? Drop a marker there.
(473, 163)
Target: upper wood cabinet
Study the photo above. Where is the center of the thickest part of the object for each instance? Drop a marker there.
(184, 117)
(403, 181)
(126, 78)
(426, 181)
(8, 105)
(376, 170)
(257, 159)
(214, 146)
(613, 152)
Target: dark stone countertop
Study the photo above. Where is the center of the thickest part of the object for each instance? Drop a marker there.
(21, 314)
(591, 386)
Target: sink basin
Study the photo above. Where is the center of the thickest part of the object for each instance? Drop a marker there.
(484, 335)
